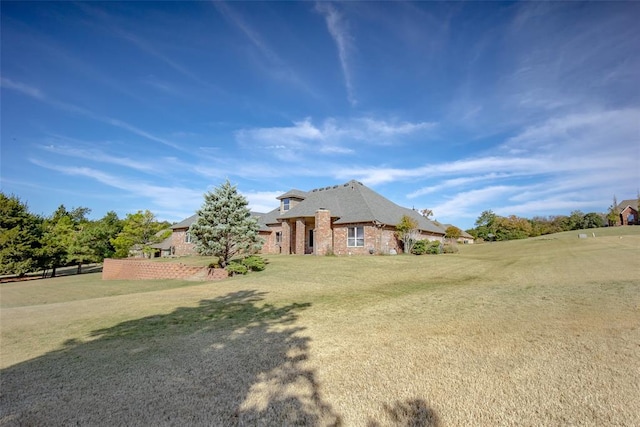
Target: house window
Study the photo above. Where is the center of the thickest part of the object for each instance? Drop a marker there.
(310, 238)
(187, 237)
(355, 237)
(285, 204)
(278, 237)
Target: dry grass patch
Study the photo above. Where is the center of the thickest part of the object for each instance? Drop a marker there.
(537, 332)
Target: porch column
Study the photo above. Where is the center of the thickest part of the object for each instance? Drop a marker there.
(323, 234)
(286, 238)
(300, 236)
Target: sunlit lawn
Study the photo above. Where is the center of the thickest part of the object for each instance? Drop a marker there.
(540, 331)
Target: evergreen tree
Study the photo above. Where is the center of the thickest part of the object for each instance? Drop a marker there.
(225, 227)
(20, 233)
(62, 239)
(592, 220)
(99, 235)
(56, 238)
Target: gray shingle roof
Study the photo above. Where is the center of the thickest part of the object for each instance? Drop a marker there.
(349, 203)
(631, 202)
(185, 223)
(269, 218)
(354, 202)
(296, 194)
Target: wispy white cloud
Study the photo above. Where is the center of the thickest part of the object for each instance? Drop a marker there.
(331, 137)
(562, 163)
(482, 165)
(75, 109)
(23, 88)
(464, 204)
(262, 201)
(170, 197)
(458, 183)
(256, 39)
(109, 25)
(74, 148)
(150, 49)
(99, 156)
(338, 28)
(583, 132)
(277, 66)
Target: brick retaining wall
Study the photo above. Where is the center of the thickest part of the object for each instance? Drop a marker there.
(135, 269)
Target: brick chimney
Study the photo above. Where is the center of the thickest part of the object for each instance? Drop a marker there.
(323, 232)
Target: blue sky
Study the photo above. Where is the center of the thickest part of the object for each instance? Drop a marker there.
(523, 108)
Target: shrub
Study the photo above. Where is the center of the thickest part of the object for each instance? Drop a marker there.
(254, 263)
(449, 248)
(236, 267)
(420, 247)
(434, 248)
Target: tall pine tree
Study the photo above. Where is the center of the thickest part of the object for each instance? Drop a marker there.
(20, 233)
(225, 227)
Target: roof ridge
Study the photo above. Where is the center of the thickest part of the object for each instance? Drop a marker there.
(373, 214)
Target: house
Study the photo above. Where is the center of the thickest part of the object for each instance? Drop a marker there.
(464, 238)
(628, 212)
(163, 248)
(180, 243)
(342, 219)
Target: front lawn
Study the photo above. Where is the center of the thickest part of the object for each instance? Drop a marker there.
(541, 331)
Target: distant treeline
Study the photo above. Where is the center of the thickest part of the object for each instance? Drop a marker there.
(490, 226)
(30, 242)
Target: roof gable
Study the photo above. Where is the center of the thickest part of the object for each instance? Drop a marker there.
(632, 203)
(185, 223)
(294, 194)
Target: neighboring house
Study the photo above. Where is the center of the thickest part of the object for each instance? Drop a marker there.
(181, 243)
(464, 238)
(162, 248)
(342, 219)
(628, 212)
(165, 247)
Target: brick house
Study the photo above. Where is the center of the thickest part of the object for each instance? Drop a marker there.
(342, 219)
(628, 212)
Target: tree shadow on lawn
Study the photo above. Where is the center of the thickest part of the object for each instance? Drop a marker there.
(410, 413)
(229, 361)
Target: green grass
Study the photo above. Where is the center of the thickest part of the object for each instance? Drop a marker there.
(542, 331)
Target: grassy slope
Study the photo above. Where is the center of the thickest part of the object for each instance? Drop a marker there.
(526, 332)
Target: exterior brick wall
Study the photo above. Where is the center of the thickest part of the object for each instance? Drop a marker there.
(377, 240)
(135, 269)
(270, 245)
(286, 238)
(180, 245)
(323, 232)
(624, 216)
(301, 230)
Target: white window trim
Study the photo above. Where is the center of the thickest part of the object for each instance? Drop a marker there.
(357, 237)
